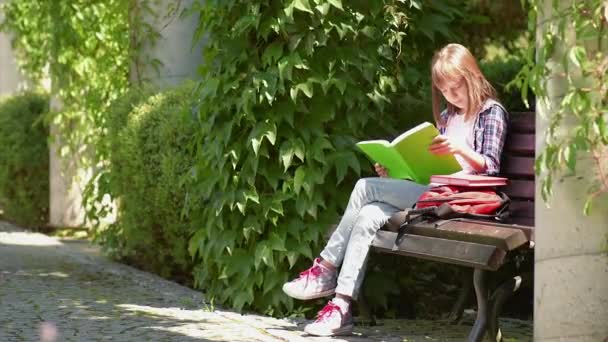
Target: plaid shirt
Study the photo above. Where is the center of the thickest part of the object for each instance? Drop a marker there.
(490, 132)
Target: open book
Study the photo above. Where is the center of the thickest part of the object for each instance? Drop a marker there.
(407, 156)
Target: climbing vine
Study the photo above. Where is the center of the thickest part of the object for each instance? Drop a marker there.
(574, 49)
(83, 49)
(88, 51)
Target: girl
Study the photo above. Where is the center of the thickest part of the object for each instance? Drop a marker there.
(473, 128)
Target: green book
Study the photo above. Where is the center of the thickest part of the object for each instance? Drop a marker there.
(407, 156)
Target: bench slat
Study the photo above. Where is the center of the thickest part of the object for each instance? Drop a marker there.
(449, 251)
(524, 221)
(522, 122)
(521, 208)
(479, 232)
(528, 230)
(517, 166)
(520, 143)
(519, 189)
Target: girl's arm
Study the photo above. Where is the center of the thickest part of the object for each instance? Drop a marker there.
(476, 160)
(494, 135)
(443, 145)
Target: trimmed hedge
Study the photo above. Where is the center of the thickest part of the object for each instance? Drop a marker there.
(146, 138)
(24, 159)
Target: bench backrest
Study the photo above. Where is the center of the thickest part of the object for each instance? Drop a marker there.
(518, 165)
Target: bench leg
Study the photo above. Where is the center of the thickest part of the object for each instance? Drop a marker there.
(479, 329)
(466, 285)
(500, 295)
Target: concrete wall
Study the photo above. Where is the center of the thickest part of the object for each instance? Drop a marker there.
(571, 264)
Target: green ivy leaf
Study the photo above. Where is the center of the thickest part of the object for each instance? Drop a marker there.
(306, 88)
(196, 241)
(292, 258)
(277, 242)
(298, 179)
(289, 11)
(239, 263)
(272, 53)
(577, 55)
(570, 156)
(342, 165)
(252, 195)
(272, 280)
(302, 5)
(588, 204)
(416, 4)
(286, 154)
(336, 3)
(255, 144)
(277, 207)
(299, 149)
(323, 8)
(603, 128)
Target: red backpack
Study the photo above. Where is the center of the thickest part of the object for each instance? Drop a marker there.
(448, 201)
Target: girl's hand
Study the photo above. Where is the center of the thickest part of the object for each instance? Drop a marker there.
(443, 145)
(380, 170)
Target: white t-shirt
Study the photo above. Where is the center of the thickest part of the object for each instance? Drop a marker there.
(462, 133)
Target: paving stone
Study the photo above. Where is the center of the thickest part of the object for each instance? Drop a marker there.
(75, 294)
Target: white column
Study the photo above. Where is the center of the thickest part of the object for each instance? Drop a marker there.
(11, 79)
(173, 48)
(67, 181)
(571, 260)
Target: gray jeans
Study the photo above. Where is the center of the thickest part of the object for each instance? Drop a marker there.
(371, 204)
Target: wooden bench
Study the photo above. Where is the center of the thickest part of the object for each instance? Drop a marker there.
(482, 245)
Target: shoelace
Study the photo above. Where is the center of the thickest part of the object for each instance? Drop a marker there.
(327, 311)
(314, 271)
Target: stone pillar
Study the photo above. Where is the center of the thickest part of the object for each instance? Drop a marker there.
(11, 80)
(571, 260)
(177, 59)
(67, 181)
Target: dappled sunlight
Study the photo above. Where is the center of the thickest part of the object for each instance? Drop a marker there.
(41, 274)
(173, 313)
(26, 239)
(36, 274)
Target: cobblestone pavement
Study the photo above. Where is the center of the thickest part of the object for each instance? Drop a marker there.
(54, 291)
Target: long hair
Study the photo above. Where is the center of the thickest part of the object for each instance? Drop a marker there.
(452, 63)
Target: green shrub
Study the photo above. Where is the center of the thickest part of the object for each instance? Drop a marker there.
(290, 88)
(145, 143)
(502, 71)
(24, 159)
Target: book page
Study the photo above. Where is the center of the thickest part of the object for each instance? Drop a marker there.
(411, 131)
(422, 163)
(382, 153)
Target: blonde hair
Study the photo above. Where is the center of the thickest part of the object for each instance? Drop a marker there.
(454, 62)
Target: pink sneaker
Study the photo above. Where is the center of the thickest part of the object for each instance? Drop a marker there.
(331, 321)
(316, 282)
